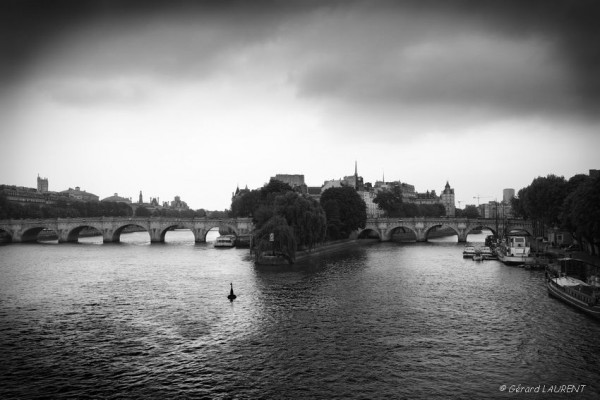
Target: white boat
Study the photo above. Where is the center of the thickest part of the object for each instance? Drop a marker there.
(515, 250)
(225, 241)
(487, 253)
(478, 256)
(469, 252)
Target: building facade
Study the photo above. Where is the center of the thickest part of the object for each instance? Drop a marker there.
(79, 194)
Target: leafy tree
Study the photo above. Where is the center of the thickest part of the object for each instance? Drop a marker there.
(582, 210)
(304, 215)
(142, 212)
(246, 204)
(517, 204)
(344, 208)
(270, 191)
(390, 201)
(284, 241)
(471, 211)
(544, 198)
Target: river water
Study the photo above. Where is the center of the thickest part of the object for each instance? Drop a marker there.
(384, 320)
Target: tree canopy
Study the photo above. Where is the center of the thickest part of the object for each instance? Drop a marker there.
(346, 211)
(573, 205)
(581, 214)
(391, 201)
(276, 204)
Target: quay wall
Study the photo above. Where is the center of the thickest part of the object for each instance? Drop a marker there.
(331, 247)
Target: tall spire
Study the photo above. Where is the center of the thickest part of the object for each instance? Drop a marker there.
(355, 175)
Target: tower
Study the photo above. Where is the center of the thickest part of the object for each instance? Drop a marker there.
(507, 194)
(42, 184)
(141, 200)
(447, 198)
(355, 175)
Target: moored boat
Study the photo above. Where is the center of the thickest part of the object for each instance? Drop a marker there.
(576, 293)
(478, 256)
(225, 241)
(515, 250)
(469, 252)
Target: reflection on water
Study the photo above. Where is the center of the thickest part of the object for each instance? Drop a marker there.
(385, 320)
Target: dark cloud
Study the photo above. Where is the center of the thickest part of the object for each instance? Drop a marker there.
(539, 56)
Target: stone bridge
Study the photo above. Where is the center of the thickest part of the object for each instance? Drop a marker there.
(385, 227)
(68, 229)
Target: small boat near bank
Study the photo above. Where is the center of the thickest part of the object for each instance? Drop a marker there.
(225, 241)
(478, 253)
(478, 256)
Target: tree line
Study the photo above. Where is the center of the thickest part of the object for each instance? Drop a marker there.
(391, 201)
(64, 208)
(286, 220)
(572, 205)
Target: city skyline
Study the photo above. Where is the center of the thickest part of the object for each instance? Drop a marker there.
(198, 99)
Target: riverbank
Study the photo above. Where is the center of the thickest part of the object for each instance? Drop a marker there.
(326, 248)
(332, 247)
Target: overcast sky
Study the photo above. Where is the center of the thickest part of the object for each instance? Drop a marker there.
(196, 98)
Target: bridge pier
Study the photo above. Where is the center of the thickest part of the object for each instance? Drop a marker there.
(199, 235)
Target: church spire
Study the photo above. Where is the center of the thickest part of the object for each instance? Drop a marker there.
(355, 175)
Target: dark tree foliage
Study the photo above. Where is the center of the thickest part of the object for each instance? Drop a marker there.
(142, 212)
(517, 206)
(245, 206)
(284, 243)
(543, 199)
(270, 191)
(471, 211)
(276, 200)
(346, 211)
(391, 202)
(305, 216)
(248, 204)
(62, 209)
(582, 210)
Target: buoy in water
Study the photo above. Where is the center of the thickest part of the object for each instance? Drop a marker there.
(231, 296)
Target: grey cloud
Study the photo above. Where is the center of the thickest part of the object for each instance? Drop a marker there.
(532, 56)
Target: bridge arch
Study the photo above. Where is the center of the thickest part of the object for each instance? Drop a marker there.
(201, 234)
(405, 228)
(472, 227)
(368, 233)
(520, 229)
(72, 234)
(115, 235)
(6, 236)
(31, 234)
(162, 231)
(442, 226)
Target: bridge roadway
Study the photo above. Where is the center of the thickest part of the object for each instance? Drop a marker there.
(385, 227)
(68, 229)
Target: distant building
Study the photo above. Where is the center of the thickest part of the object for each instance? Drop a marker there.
(42, 184)
(117, 199)
(80, 195)
(177, 204)
(507, 195)
(292, 180)
(373, 210)
(494, 209)
(447, 199)
(23, 195)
